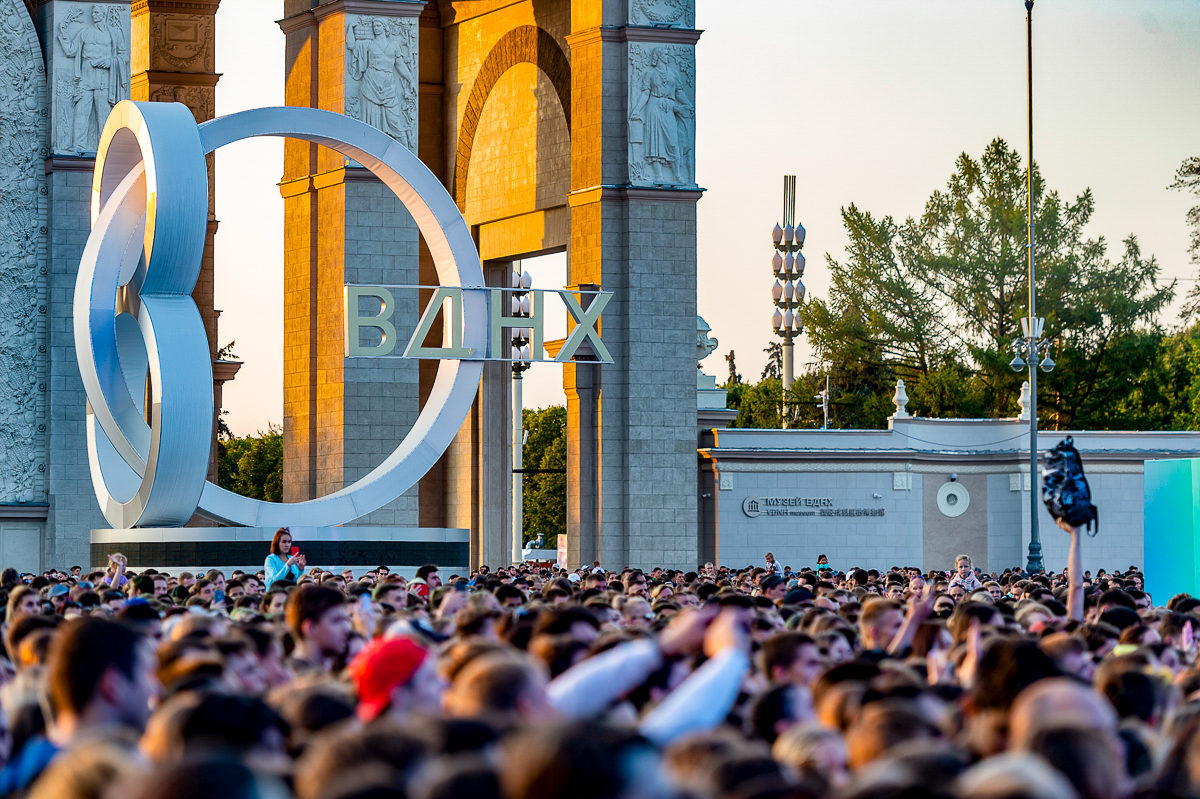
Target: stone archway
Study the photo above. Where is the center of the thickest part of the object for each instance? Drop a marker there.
(527, 44)
(619, 198)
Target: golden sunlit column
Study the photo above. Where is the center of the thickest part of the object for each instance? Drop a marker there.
(633, 232)
(342, 225)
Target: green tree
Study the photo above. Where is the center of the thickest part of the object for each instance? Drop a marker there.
(252, 465)
(1187, 178)
(937, 300)
(544, 508)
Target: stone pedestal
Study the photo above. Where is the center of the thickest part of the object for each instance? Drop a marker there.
(341, 416)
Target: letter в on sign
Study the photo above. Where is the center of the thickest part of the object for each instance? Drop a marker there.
(356, 321)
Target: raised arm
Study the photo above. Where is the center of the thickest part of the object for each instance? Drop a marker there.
(920, 605)
(1074, 574)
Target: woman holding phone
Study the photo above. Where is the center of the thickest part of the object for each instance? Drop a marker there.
(285, 561)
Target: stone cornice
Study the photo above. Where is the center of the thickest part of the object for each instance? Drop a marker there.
(595, 194)
(31, 511)
(208, 7)
(609, 33)
(159, 77)
(454, 12)
(375, 8)
(69, 163)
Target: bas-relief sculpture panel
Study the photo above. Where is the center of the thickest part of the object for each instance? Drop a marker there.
(23, 235)
(181, 42)
(381, 74)
(663, 13)
(662, 114)
(90, 62)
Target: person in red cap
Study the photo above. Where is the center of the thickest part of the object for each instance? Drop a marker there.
(396, 676)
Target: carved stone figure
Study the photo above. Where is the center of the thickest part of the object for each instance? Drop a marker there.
(381, 59)
(23, 240)
(661, 119)
(100, 74)
(705, 344)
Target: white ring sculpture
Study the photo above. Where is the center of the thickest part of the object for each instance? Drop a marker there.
(134, 313)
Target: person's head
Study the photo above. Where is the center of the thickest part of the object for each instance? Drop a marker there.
(274, 602)
(962, 564)
(429, 573)
(790, 657)
(815, 751)
(204, 589)
(773, 587)
(281, 543)
(187, 579)
(397, 675)
(1058, 702)
(161, 585)
(217, 578)
(317, 616)
(504, 684)
(821, 559)
(22, 601)
(879, 622)
(770, 557)
(101, 672)
(579, 760)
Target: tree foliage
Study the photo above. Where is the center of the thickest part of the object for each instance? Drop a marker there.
(937, 300)
(252, 465)
(544, 505)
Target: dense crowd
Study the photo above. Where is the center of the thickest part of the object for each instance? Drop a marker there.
(765, 682)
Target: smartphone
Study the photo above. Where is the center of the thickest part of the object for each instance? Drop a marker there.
(295, 551)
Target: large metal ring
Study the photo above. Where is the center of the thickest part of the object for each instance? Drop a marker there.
(153, 474)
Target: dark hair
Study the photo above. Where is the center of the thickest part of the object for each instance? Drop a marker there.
(579, 760)
(769, 709)
(780, 650)
(425, 570)
(310, 603)
(192, 779)
(275, 539)
(80, 656)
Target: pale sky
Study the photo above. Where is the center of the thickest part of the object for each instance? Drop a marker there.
(866, 101)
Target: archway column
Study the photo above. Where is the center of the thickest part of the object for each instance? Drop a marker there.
(633, 223)
(357, 57)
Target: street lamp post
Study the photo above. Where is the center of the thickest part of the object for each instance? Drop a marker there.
(787, 264)
(521, 282)
(1031, 347)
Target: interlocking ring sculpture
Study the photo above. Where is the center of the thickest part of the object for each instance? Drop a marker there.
(139, 338)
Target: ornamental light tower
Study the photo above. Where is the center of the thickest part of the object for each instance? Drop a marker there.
(787, 264)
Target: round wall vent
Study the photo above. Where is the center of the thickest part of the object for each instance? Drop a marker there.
(953, 499)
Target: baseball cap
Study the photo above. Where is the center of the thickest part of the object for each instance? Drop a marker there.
(382, 666)
(59, 590)
(573, 577)
(770, 582)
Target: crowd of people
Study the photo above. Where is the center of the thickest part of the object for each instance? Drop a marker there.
(772, 681)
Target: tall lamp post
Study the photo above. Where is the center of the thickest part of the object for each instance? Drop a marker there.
(1030, 346)
(521, 283)
(787, 264)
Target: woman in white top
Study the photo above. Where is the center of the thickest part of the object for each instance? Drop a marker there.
(281, 563)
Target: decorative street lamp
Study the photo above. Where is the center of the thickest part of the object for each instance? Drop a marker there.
(787, 264)
(521, 357)
(1031, 347)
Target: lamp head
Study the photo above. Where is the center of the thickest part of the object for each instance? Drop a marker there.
(1048, 363)
(1017, 364)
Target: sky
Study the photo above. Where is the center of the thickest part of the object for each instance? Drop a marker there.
(865, 101)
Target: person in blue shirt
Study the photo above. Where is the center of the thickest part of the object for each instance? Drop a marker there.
(823, 563)
(281, 564)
